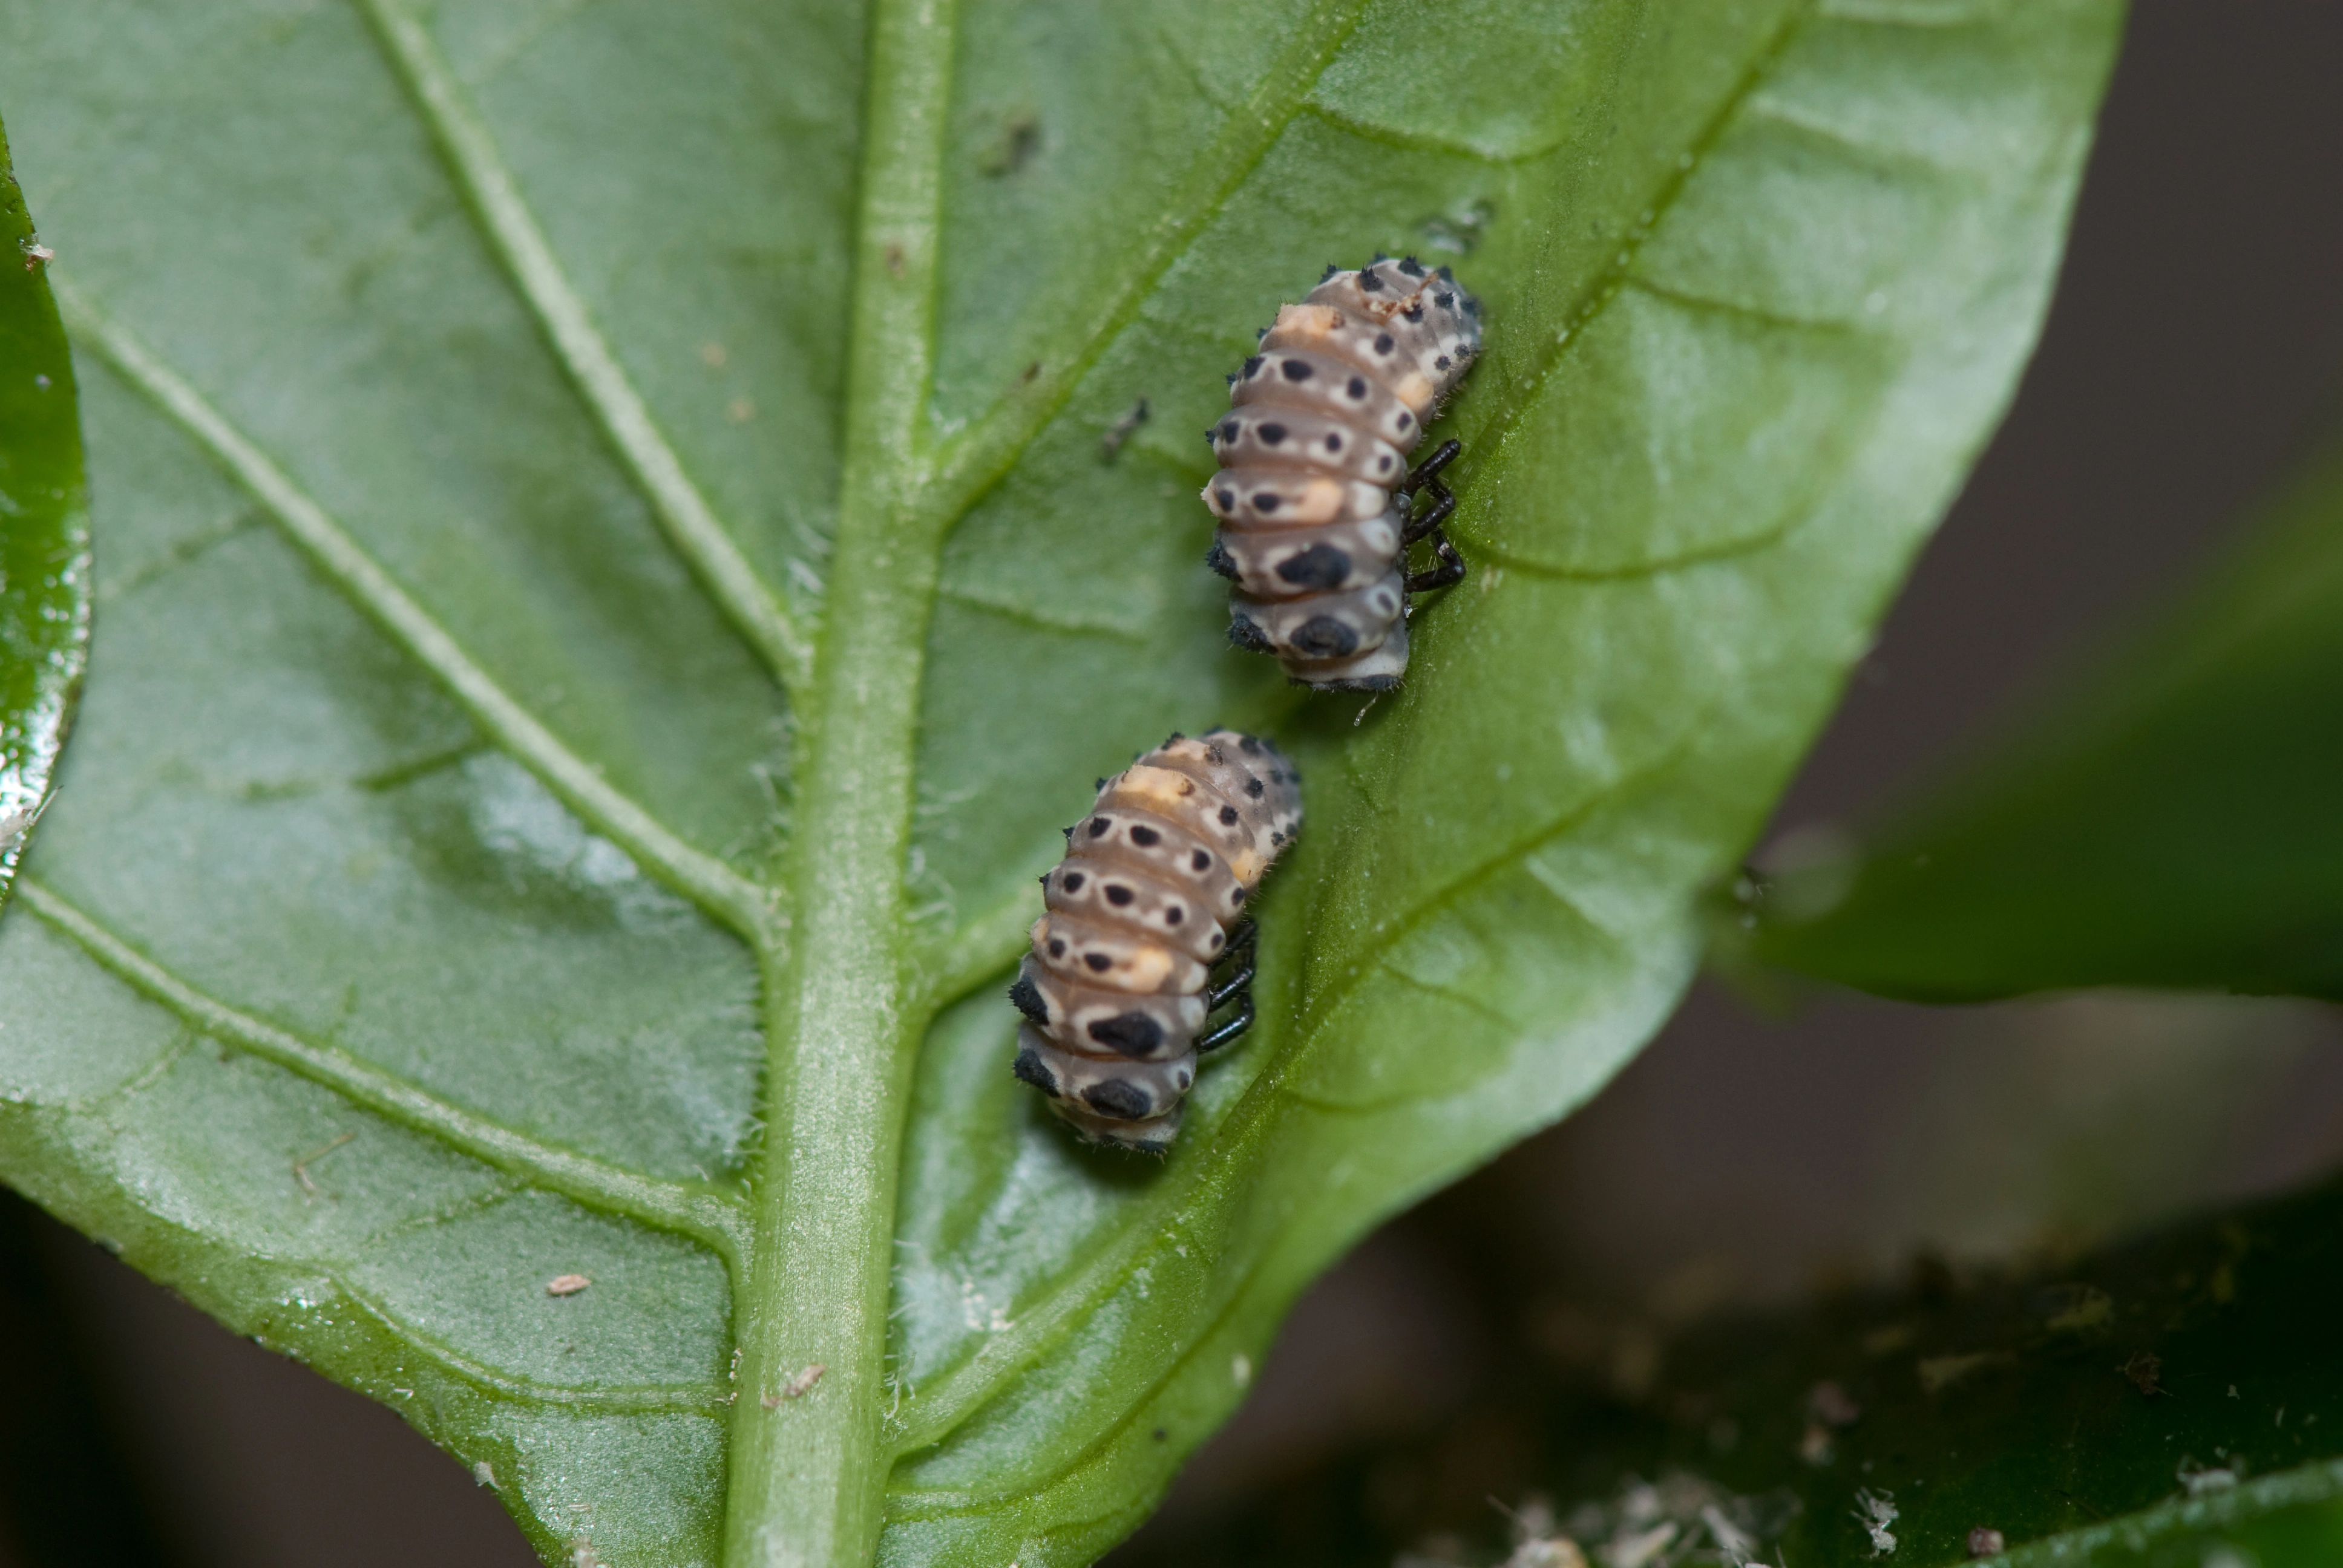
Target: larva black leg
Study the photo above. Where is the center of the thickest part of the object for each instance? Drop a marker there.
(1420, 474)
(1447, 570)
(1236, 985)
(1448, 567)
(1230, 1031)
(1240, 951)
(1443, 504)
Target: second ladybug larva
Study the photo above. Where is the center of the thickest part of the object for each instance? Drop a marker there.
(1315, 498)
(1146, 934)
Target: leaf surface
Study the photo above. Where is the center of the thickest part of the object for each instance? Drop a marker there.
(2168, 821)
(45, 576)
(619, 585)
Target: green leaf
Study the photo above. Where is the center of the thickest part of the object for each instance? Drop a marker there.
(2154, 1404)
(45, 577)
(2169, 820)
(618, 586)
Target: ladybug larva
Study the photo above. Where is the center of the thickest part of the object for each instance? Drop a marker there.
(1315, 498)
(1146, 935)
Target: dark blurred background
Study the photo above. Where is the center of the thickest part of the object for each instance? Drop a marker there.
(2194, 356)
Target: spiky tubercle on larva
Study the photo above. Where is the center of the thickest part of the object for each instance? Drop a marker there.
(1156, 878)
(1321, 423)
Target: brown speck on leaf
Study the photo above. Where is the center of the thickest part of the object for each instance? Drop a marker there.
(739, 410)
(567, 1284)
(2144, 1370)
(713, 355)
(797, 1387)
(582, 1555)
(1815, 1447)
(1031, 371)
(1122, 430)
(301, 1166)
(894, 261)
(1984, 1541)
(35, 253)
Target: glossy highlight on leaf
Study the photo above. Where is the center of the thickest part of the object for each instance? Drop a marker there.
(45, 576)
(616, 585)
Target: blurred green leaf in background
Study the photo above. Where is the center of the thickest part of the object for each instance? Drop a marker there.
(2173, 819)
(614, 583)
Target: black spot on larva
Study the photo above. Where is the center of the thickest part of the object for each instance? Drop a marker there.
(1220, 561)
(1445, 276)
(1173, 915)
(1272, 435)
(1324, 637)
(1215, 941)
(1265, 503)
(1029, 1067)
(1333, 443)
(1228, 816)
(1414, 313)
(1145, 838)
(1247, 636)
(1253, 366)
(1322, 566)
(1384, 344)
(1123, 1102)
(1200, 861)
(1072, 881)
(1472, 306)
(1099, 963)
(1249, 746)
(1384, 464)
(1099, 827)
(1331, 270)
(1028, 998)
(1056, 947)
(1441, 363)
(1228, 500)
(1405, 419)
(1412, 266)
(1295, 370)
(1236, 895)
(1131, 1033)
(1228, 430)
(1369, 283)
(1358, 387)
(1099, 784)
(1118, 895)
(1069, 832)
(1255, 788)
(1445, 301)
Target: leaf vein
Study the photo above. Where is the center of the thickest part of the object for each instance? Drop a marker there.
(701, 1214)
(715, 887)
(494, 201)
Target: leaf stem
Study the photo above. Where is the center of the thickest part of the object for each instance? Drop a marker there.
(746, 598)
(809, 1463)
(706, 880)
(701, 1214)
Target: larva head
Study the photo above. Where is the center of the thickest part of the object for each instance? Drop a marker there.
(1417, 325)
(1257, 778)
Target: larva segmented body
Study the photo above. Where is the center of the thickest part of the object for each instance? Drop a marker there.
(1315, 498)
(1148, 903)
